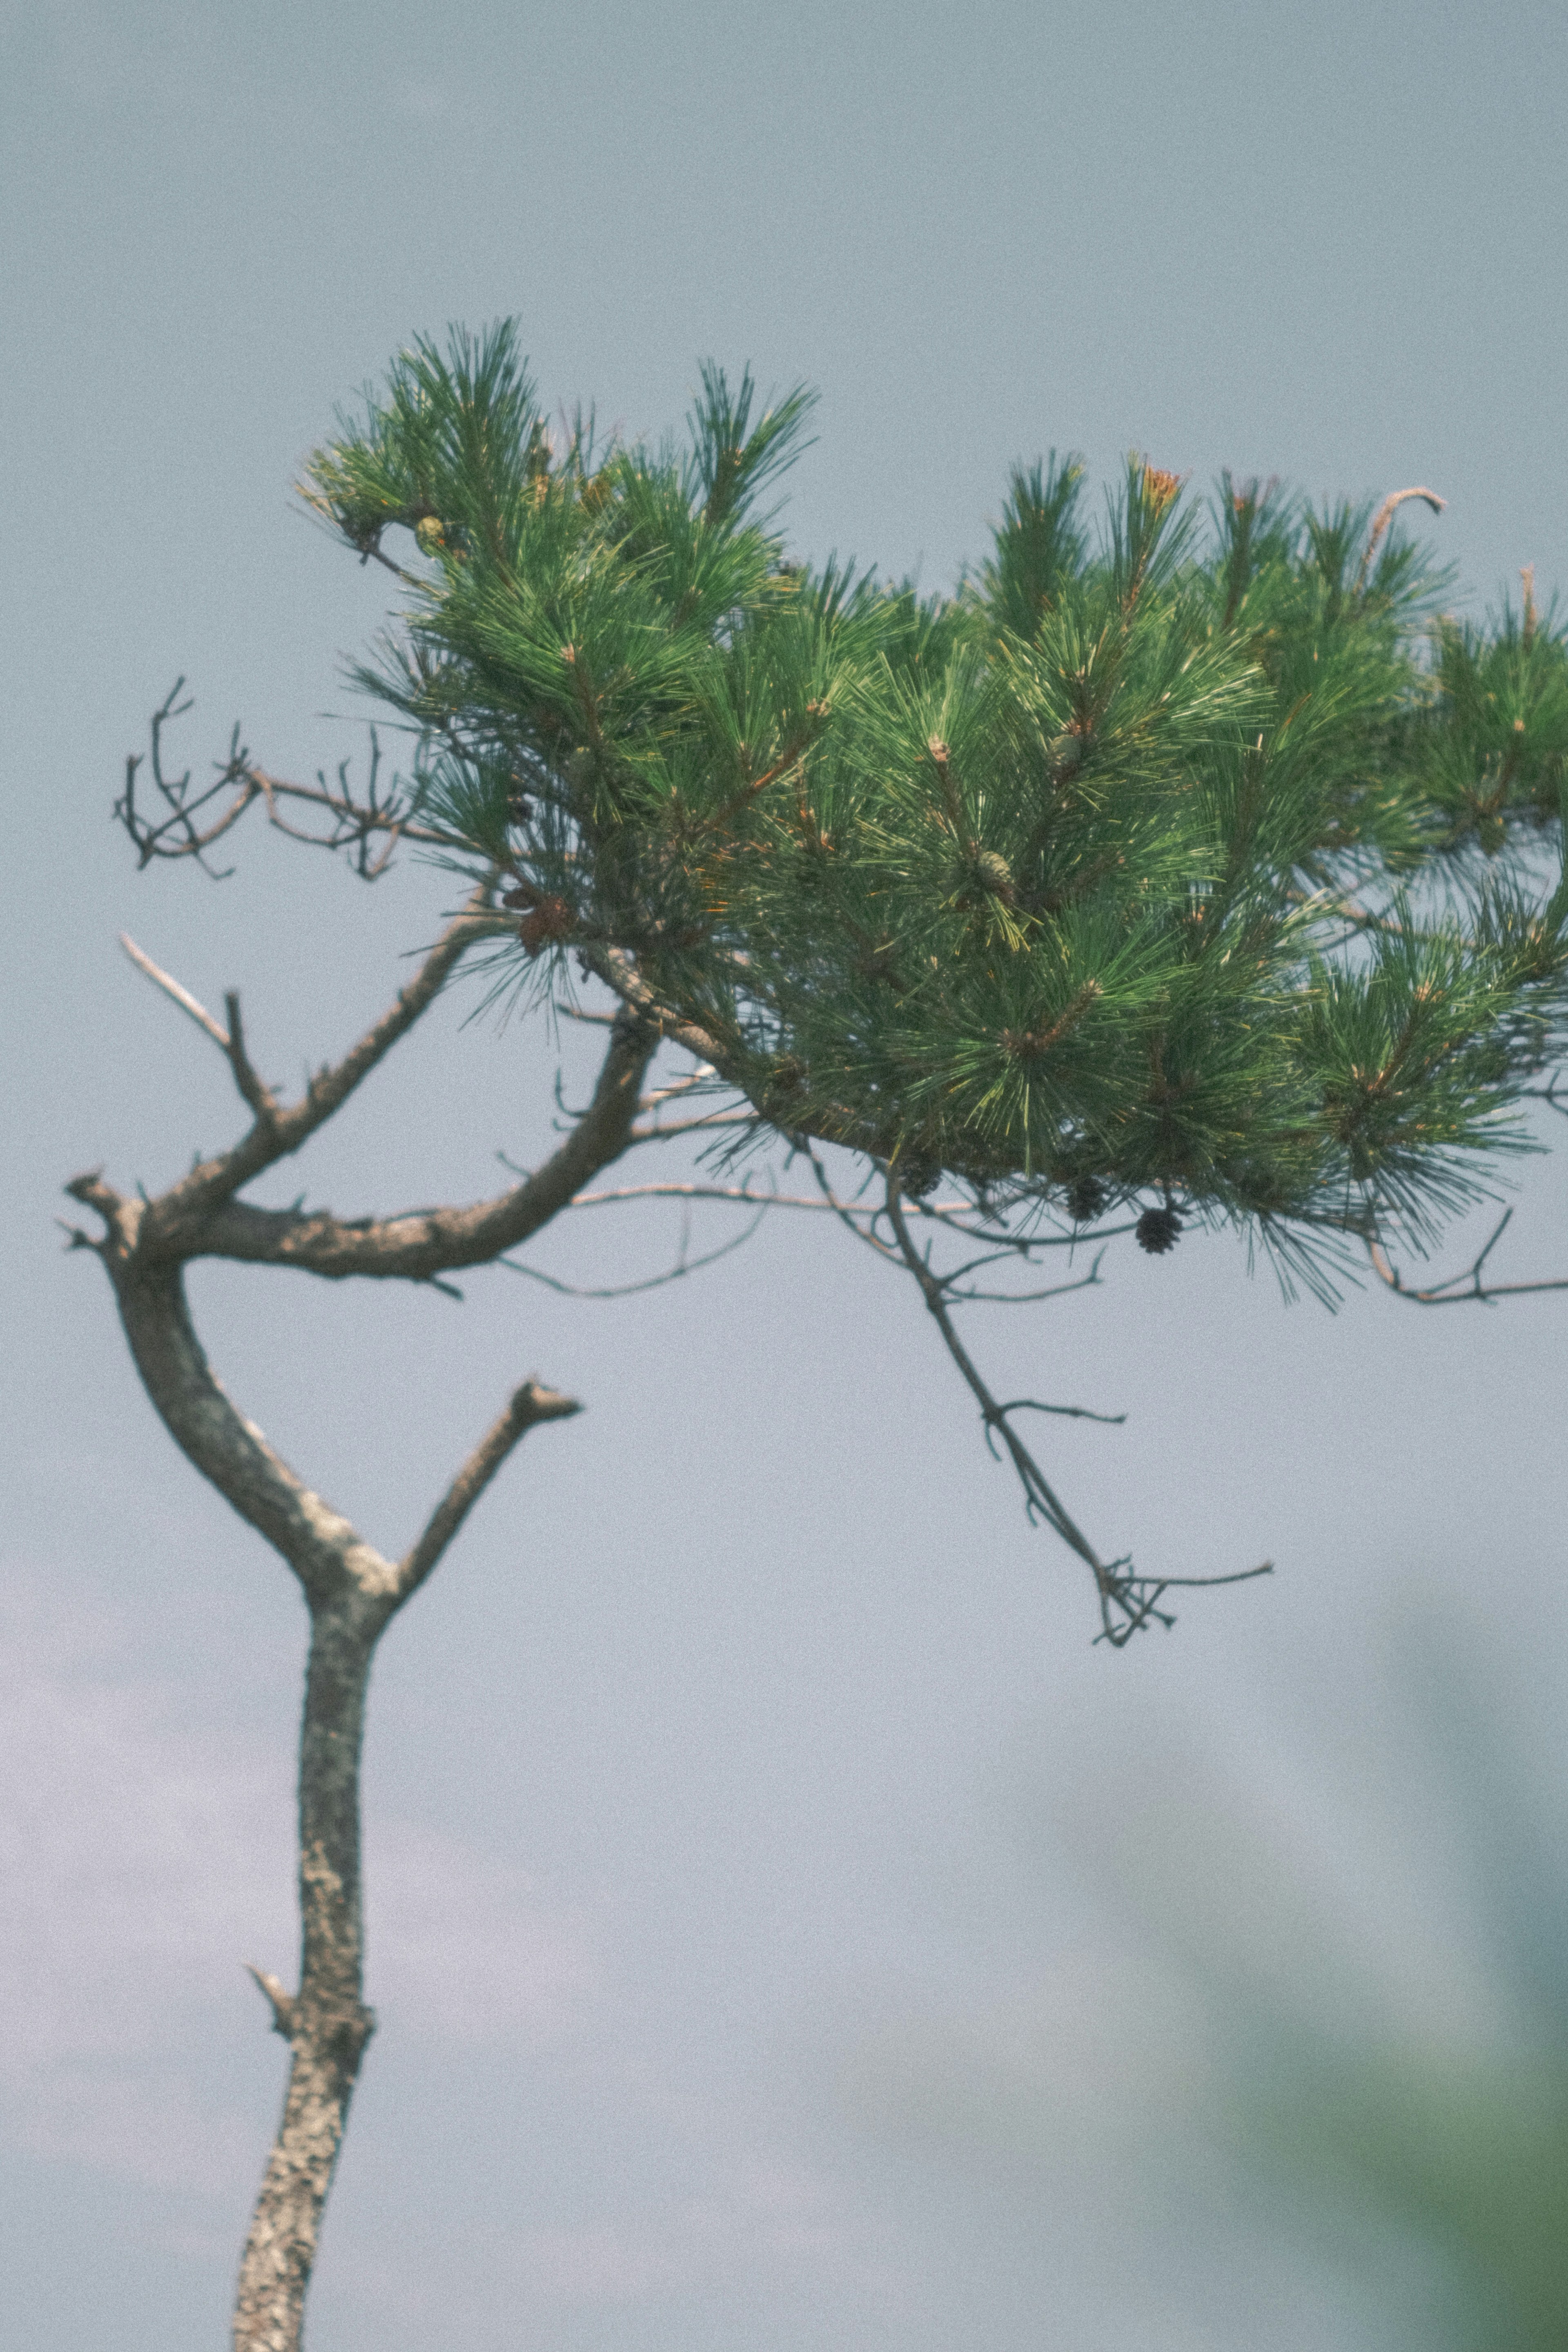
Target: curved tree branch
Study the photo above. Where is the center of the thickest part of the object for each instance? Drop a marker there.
(417, 1244)
(1384, 516)
(278, 1132)
(1127, 1603)
(325, 1551)
(529, 1404)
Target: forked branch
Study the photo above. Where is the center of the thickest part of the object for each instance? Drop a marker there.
(187, 821)
(279, 1131)
(423, 1244)
(352, 1590)
(1127, 1602)
(1467, 1289)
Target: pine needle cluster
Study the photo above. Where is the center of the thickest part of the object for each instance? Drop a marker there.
(1185, 856)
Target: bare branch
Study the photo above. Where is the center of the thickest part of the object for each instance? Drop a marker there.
(933, 1292)
(1071, 1412)
(1459, 1289)
(692, 1083)
(419, 1245)
(354, 825)
(1127, 1603)
(1090, 1281)
(740, 1193)
(192, 841)
(978, 1224)
(369, 827)
(278, 1132)
(847, 1212)
(950, 1215)
(705, 1124)
(530, 1404)
(170, 988)
(683, 1266)
(260, 1097)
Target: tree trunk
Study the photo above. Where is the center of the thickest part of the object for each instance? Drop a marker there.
(326, 2023)
(351, 1590)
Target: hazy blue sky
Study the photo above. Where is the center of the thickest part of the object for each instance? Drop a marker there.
(747, 1893)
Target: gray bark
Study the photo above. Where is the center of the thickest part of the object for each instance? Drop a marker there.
(327, 2024)
(351, 1589)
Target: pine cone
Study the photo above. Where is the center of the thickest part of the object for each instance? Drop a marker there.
(1158, 1231)
(1086, 1199)
(994, 875)
(550, 920)
(784, 1081)
(917, 1177)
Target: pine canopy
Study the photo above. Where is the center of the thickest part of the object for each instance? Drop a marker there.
(1186, 857)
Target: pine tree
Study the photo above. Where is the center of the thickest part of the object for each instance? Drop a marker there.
(1174, 873)
(1190, 866)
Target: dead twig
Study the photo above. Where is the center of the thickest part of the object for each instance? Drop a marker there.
(180, 996)
(740, 1193)
(1385, 515)
(193, 821)
(1128, 1603)
(676, 1273)
(1465, 1289)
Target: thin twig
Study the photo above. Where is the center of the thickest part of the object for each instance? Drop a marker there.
(260, 1097)
(171, 989)
(847, 1211)
(739, 1193)
(1465, 1289)
(1127, 1603)
(683, 1266)
(1090, 1281)
(704, 1125)
(692, 1083)
(1071, 1412)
